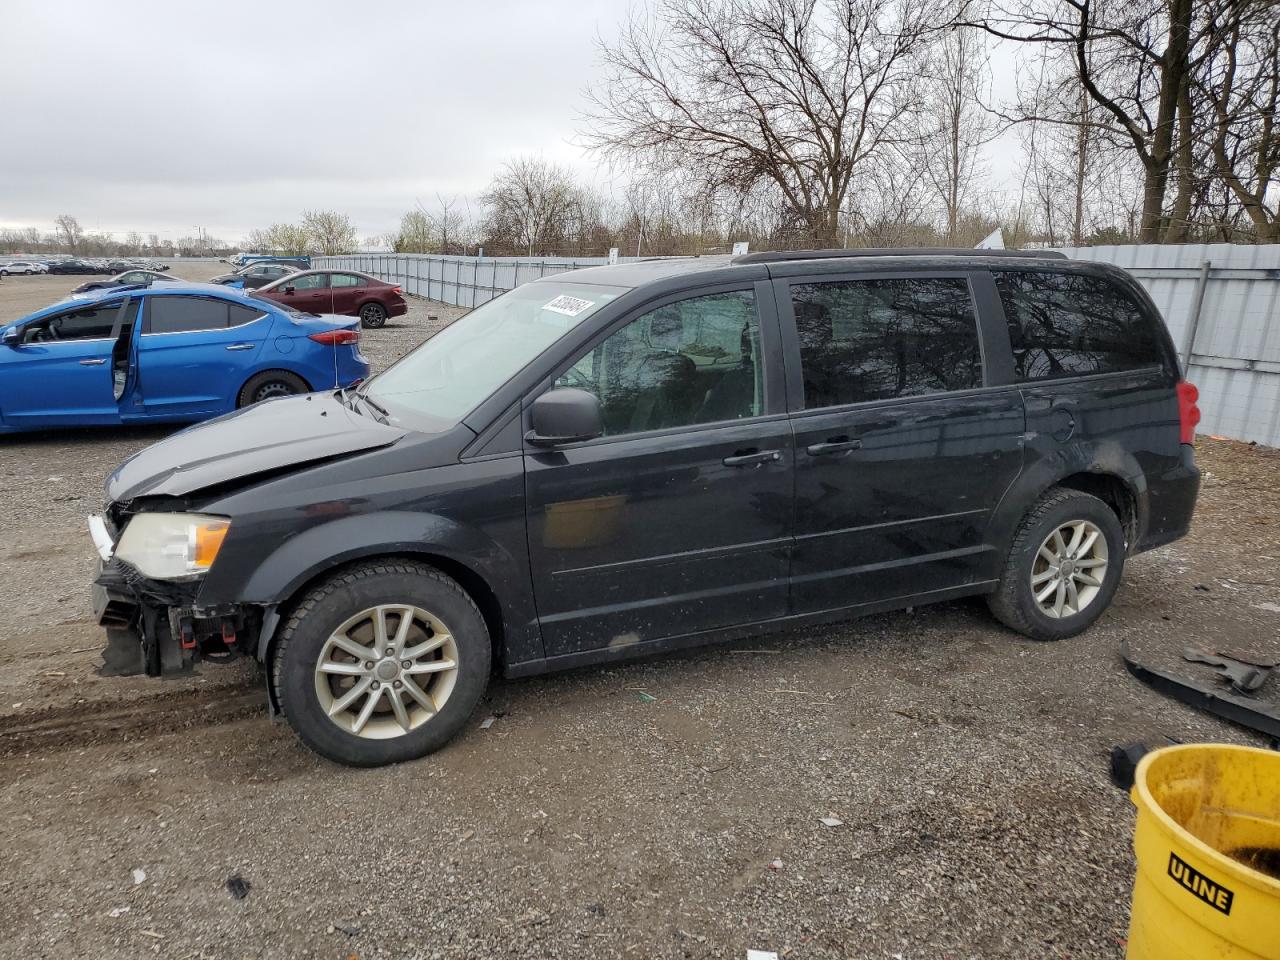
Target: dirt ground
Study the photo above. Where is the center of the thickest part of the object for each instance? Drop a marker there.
(661, 809)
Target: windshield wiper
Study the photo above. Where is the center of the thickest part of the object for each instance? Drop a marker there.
(386, 414)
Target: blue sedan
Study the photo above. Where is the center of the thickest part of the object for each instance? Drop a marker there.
(178, 353)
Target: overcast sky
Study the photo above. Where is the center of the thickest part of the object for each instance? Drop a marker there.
(161, 117)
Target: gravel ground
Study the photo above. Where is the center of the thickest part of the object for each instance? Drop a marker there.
(968, 768)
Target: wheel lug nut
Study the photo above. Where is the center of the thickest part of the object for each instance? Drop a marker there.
(405, 665)
(397, 684)
(368, 664)
(376, 685)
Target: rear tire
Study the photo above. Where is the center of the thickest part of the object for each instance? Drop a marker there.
(269, 385)
(373, 315)
(338, 696)
(1063, 567)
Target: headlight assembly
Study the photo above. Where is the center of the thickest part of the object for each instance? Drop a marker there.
(172, 546)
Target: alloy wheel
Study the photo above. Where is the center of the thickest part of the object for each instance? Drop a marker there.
(1069, 569)
(386, 671)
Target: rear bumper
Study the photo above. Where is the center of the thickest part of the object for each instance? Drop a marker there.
(1171, 501)
(397, 309)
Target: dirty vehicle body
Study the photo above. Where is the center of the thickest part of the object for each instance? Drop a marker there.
(166, 352)
(632, 459)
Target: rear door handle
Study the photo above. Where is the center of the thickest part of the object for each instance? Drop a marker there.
(752, 458)
(240, 346)
(93, 363)
(833, 446)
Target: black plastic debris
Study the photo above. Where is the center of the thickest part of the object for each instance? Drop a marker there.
(1124, 763)
(238, 886)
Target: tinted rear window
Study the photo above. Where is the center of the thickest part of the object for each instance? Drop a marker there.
(877, 339)
(1065, 325)
(182, 314)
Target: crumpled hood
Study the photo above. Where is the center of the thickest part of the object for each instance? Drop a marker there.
(290, 432)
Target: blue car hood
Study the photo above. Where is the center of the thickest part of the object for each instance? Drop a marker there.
(263, 438)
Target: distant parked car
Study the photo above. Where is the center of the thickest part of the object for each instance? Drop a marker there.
(339, 291)
(172, 352)
(25, 267)
(129, 277)
(74, 267)
(255, 275)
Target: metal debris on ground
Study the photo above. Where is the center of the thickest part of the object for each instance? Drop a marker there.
(831, 821)
(486, 723)
(762, 955)
(1244, 676)
(117, 911)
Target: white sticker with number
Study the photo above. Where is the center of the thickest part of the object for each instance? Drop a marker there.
(569, 306)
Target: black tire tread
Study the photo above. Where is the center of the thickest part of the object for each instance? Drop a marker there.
(1003, 603)
(343, 580)
(244, 397)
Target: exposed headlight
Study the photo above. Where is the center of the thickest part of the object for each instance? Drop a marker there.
(172, 546)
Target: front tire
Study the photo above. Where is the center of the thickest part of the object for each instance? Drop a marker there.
(269, 385)
(382, 663)
(1063, 567)
(373, 315)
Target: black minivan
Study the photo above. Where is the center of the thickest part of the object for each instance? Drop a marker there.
(629, 459)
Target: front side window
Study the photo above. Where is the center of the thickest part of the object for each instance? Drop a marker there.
(1063, 324)
(866, 340)
(310, 281)
(692, 361)
(451, 374)
(185, 314)
(91, 323)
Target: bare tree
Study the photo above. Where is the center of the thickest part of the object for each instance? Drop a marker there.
(330, 232)
(69, 232)
(799, 94)
(1134, 61)
(1240, 83)
(530, 205)
(955, 123)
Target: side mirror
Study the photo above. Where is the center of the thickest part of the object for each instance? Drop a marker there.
(565, 415)
(11, 337)
(290, 288)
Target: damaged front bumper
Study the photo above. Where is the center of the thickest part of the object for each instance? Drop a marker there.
(158, 628)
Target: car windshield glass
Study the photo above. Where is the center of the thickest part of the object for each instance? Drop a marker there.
(462, 365)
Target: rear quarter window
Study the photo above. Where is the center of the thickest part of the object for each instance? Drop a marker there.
(1071, 325)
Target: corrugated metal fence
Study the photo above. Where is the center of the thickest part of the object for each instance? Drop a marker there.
(1221, 302)
(462, 281)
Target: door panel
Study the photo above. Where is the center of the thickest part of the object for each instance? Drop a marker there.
(902, 453)
(62, 375)
(651, 537)
(906, 511)
(678, 519)
(194, 372)
(346, 292)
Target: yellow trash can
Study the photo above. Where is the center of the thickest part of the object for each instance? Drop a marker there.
(1208, 848)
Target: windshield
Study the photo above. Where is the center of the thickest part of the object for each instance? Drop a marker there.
(462, 365)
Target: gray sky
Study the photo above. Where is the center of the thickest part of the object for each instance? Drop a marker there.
(161, 117)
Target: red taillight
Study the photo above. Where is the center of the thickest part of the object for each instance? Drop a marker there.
(336, 337)
(1188, 412)
(396, 290)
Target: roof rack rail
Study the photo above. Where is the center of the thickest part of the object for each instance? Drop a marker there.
(774, 256)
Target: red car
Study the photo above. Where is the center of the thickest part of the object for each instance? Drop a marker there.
(339, 291)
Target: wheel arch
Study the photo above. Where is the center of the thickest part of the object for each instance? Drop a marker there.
(1104, 470)
(274, 368)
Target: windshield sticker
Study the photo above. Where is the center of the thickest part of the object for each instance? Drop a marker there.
(569, 306)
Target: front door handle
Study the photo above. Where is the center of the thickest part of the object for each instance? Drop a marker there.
(93, 363)
(240, 346)
(752, 458)
(833, 446)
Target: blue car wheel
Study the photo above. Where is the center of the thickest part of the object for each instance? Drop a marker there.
(269, 385)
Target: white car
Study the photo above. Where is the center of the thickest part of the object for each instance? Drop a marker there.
(22, 266)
